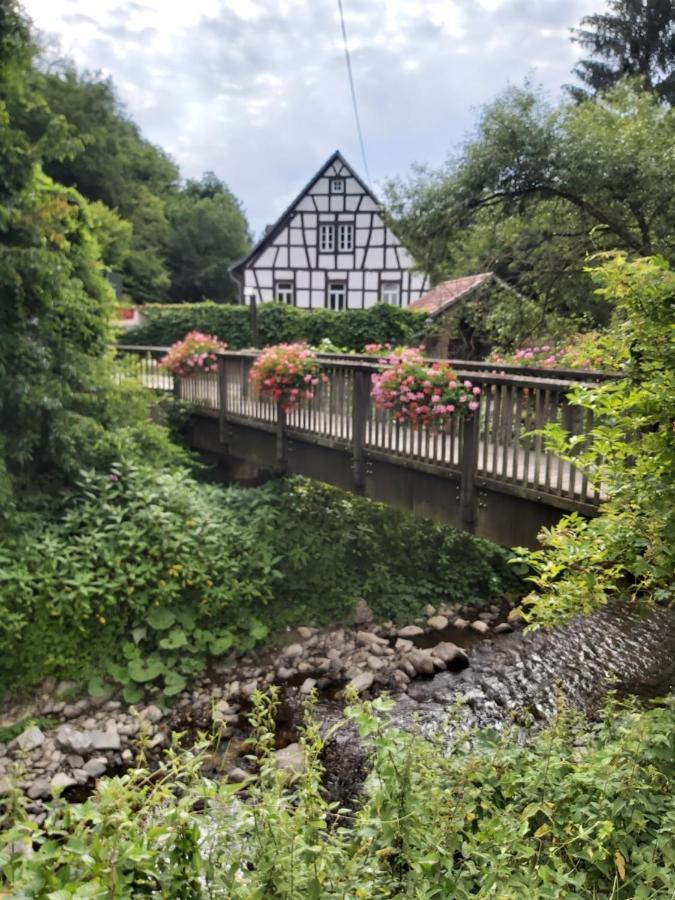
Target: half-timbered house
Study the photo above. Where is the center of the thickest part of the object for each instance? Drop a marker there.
(331, 249)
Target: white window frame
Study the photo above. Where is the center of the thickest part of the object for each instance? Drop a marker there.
(345, 237)
(284, 292)
(326, 238)
(390, 293)
(340, 286)
(337, 185)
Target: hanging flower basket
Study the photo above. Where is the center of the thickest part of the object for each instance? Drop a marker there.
(423, 395)
(196, 354)
(287, 374)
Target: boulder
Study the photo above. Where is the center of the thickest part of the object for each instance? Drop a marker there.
(39, 788)
(480, 626)
(104, 740)
(375, 663)
(448, 652)
(290, 759)
(308, 686)
(429, 610)
(30, 739)
(61, 781)
(362, 613)
(410, 631)
(421, 661)
(305, 632)
(152, 714)
(73, 741)
(438, 623)
(366, 638)
(237, 775)
(503, 628)
(362, 682)
(95, 766)
(460, 623)
(403, 644)
(293, 651)
(284, 673)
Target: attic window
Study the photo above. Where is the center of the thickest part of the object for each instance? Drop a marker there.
(337, 185)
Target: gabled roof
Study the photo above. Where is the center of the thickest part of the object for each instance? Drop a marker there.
(284, 218)
(448, 293)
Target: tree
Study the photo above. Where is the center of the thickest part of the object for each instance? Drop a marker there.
(637, 37)
(208, 233)
(539, 187)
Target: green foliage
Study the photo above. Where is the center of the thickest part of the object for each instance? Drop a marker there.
(208, 233)
(149, 575)
(629, 548)
(278, 324)
(536, 190)
(577, 811)
(9, 732)
(632, 38)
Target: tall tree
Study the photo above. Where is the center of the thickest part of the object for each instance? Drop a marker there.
(636, 37)
(539, 187)
(208, 233)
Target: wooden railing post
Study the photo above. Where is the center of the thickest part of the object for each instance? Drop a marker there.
(222, 400)
(360, 408)
(468, 468)
(281, 441)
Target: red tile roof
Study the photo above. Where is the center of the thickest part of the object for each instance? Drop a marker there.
(447, 293)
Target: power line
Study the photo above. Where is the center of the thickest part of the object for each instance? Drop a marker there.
(353, 91)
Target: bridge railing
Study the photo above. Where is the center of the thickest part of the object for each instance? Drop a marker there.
(492, 449)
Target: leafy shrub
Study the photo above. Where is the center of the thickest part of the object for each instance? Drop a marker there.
(629, 548)
(286, 374)
(278, 324)
(426, 396)
(575, 812)
(195, 352)
(148, 575)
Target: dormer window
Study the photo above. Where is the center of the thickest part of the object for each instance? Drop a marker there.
(337, 185)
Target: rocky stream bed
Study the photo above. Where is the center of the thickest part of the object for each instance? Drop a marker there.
(482, 665)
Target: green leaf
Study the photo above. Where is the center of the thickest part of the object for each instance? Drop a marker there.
(258, 630)
(98, 689)
(173, 683)
(132, 693)
(175, 638)
(222, 643)
(138, 634)
(160, 619)
(146, 669)
(118, 672)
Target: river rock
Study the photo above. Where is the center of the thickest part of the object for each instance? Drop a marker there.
(284, 673)
(375, 663)
(460, 623)
(95, 766)
(237, 775)
(429, 610)
(73, 741)
(293, 651)
(80, 776)
(152, 714)
(503, 628)
(403, 644)
(61, 781)
(39, 788)
(367, 638)
(448, 652)
(421, 661)
(362, 682)
(480, 626)
(307, 686)
(30, 739)
(410, 631)
(362, 614)
(104, 740)
(290, 759)
(438, 623)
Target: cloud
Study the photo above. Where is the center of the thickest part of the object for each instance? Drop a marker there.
(256, 90)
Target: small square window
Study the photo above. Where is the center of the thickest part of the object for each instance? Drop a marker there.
(337, 185)
(391, 293)
(337, 295)
(327, 238)
(283, 292)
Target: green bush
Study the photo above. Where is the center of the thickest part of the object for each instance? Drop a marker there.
(573, 813)
(147, 575)
(278, 323)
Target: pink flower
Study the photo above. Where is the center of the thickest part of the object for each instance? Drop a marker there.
(474, 404)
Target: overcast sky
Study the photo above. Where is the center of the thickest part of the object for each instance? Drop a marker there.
(257, 91)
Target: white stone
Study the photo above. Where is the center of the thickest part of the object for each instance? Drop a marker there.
(30, 739)
(362, 682)
(39, 788)
(367, 638)
(438, 623)
(95, 766)
(460, 623)
(307, 685)
(503, 628)
(105, 740)
(293, 651)
(410, 631)
(290, 759)
(152, 714)
(421, 662)
(403, 644)
(74, 741)
(480, 627)
(447, 651)
(305, 632)
(62, 780)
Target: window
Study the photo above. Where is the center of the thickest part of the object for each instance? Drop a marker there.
(391, 293)
(283, 292)
(337, 295)
(337, 185)
(326, 238)
(345, 238)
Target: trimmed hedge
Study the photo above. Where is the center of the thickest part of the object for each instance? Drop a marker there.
(277, 323)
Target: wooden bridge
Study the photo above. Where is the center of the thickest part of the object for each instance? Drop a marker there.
(486, 474)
